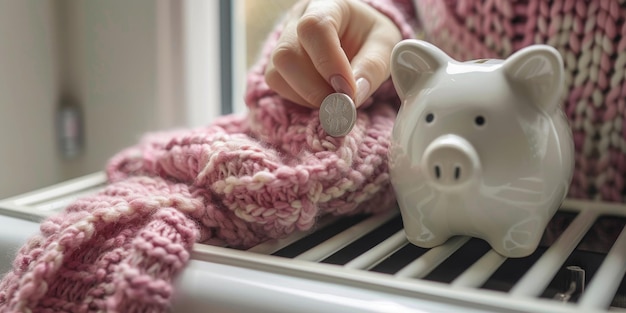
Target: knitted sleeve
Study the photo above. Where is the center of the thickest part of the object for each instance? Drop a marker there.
(591, 37)
(400, 12)
(239, 181)
(275, 168)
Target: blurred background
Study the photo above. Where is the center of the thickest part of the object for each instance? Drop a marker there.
(82, 79)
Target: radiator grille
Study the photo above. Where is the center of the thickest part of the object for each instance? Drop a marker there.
(572, 271)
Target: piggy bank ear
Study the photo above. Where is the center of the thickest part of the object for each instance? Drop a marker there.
(538, 72)
(413, 62)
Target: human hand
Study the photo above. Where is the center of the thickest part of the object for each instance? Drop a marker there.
(331, 46)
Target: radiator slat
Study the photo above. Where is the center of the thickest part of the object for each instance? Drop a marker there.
(423, 265)
(477, 274)
(392, 243)
(346, 237)
(605, 283)
(378, 253)
(273, 245)
(58, 204)
(534, 282)
(61, 189)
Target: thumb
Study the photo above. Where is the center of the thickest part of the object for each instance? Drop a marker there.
(371, 65)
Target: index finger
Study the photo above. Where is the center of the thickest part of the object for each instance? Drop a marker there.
(319, 31)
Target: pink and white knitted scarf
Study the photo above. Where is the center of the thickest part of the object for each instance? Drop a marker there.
(243, 180)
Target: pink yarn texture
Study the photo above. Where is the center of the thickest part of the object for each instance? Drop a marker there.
(244, 179)
(591, 37)
(240, 180)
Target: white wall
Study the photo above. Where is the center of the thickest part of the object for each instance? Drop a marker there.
(202, 63)
(110, 66)
(28, 94)
(109, 55)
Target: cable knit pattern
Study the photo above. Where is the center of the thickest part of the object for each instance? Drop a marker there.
(591, 37)
(115, 251)
(240, 180)
(244, 179)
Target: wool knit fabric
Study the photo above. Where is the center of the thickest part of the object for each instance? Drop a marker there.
(591, 37)
(240, 180)
(244, 179)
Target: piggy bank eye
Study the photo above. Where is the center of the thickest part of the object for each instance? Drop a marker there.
(479, 120)
(430, 117)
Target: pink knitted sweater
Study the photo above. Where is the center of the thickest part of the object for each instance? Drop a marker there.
(591, 37)
(243, 180)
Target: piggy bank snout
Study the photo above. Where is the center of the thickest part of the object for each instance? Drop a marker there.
(450, 161)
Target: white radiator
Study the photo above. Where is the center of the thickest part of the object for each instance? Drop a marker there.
(365, 264)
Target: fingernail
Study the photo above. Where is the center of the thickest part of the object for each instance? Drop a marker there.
(340, 84)
(362, 90)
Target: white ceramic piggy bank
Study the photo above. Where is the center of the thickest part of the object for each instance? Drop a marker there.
(479, 148)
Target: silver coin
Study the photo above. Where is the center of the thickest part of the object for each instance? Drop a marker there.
(337, 114)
